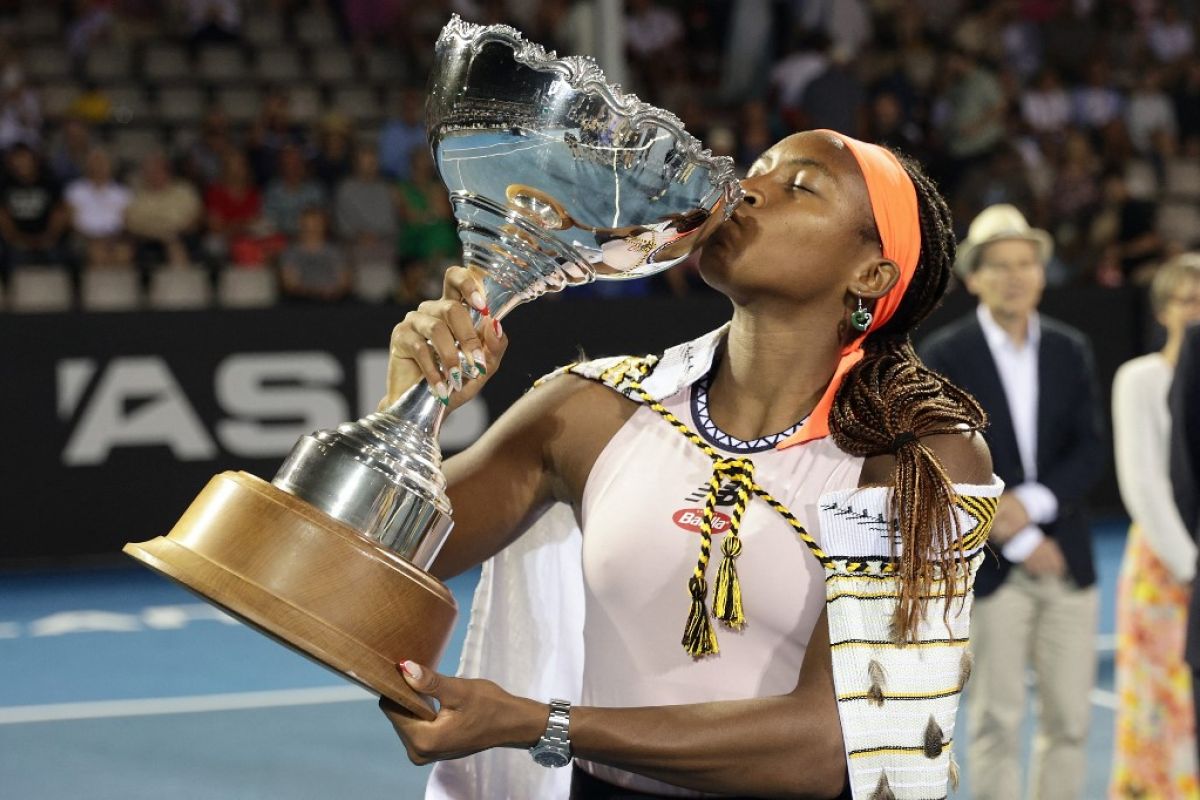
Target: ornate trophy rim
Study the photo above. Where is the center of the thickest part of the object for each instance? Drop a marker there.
(583, 74)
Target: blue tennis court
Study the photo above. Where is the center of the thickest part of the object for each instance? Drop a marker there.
(115, 683)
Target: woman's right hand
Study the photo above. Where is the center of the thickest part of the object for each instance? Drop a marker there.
(427, 343)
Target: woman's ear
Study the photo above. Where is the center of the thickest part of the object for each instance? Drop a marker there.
(874, 279)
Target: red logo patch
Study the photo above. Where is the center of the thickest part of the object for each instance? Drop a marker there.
(690, 518)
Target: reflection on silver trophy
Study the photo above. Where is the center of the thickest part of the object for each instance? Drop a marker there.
(556, 178)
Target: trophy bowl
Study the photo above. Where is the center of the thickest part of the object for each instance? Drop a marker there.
(556, 178)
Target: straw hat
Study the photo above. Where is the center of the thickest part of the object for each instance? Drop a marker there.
(999, 223)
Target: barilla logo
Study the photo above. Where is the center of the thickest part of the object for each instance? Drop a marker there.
(690, 518)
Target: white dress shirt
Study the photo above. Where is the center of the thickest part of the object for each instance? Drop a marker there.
(1017, 365)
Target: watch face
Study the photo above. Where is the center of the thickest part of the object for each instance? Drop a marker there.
(551, 758)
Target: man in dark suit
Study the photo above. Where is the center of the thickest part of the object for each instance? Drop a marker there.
(1185, 477)
(1036, 601)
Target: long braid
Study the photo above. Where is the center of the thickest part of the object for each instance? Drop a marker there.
(891, 393)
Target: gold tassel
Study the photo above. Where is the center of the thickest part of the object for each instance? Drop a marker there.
(699, 639)
(933, 739)
(953, 773)
(964, 669)
(878, 679)
(883, 791)
(727, 602)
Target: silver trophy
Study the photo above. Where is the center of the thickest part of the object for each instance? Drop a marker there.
(557, 178)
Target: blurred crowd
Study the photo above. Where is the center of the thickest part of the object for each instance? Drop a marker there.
(288, 135)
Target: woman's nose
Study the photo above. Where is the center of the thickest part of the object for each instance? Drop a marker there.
(754, 196)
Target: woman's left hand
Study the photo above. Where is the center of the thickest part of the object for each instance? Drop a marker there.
(474, 715)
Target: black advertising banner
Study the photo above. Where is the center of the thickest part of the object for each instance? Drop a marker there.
(116, 421)
(113, 422)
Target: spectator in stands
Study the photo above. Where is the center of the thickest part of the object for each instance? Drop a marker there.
(845, 23)
(69, 149)
(273, 131)
(206, 158)
(1125, 233)
(1149, 111)
(887, 125)
(428, 236)
(291, 193)
(33, 217)
(234, 209)
(1171, 37)
(1186, 97)
(653, 33)
(974, 109)
(1046, 105)
(1097, 103)
(403, 133)
(20, 110)
(313, 269)
(335, 153)
(97, 203)
(213, 21)
(1184, 404)
(365, 206)
(834, 99)
(164, 215)
(790, 77)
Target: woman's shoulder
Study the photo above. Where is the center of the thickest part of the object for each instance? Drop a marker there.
(1148, 367)
(964, 456)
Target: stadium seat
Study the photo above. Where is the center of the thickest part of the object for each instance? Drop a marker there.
(108, 65)
(129, 104)
(110, 289)
(279, 65)
(176, 288)
(360, 103)
(246, 288)
(39, 21)
(374, 283)
(1182, 180)
(47, 63)
(221, 65)
(165, 63)
(386, 67)
(57, 99)
(129, 144)
(333, 65)
(1179, 221)
(315, 28)
(240, 103)
(263, 28)
(181, 105)
(304, 102)
(39, 289)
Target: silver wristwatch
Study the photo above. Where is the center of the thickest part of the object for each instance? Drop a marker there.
(554, 748)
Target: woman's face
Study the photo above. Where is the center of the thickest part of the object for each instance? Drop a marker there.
(804, 229)
(1182, 308)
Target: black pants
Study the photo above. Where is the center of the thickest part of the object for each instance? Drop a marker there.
(585, 786)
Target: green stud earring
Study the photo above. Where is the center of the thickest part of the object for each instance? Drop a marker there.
(860, 318)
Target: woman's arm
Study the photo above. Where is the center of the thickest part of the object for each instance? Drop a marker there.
(788, 746)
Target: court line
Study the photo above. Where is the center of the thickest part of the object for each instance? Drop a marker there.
(150, 706)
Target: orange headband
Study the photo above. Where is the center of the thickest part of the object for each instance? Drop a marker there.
(894, 205)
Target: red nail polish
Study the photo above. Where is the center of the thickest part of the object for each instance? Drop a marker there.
(487, 312)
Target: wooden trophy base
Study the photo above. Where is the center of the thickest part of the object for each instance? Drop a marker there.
(308, 581)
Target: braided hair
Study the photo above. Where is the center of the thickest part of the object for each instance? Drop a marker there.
(891, 394)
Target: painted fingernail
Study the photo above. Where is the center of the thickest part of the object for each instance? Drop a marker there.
(479, 303)
(480, 361)
(469, 368)
(442, 393)
(411, 669)
(456, 378)
(496, 327)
